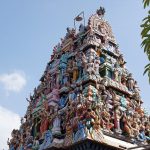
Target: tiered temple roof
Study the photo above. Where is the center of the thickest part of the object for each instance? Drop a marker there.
(85, 94)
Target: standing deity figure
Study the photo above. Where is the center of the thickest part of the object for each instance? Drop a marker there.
(117, 117)
(56, 126)
(36, 144)
(44, 123)
(136, 88)
(80, 134)
(90, 67)
(84, 63)
(63, 101)
(89, 120)
(117, 73)
(123, 102)
(79, 65)
(130, 82)
(69, 134)
(63, 66)
(107, 97)
(48, 138)
(105, 119)
(75, 71)
(126, 124)
(96, 66)
(72, 96)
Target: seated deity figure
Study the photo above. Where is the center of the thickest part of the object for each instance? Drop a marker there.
(142, 137)
(135, 128)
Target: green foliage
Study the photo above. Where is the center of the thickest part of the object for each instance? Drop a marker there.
(145, 33)
(146, 3)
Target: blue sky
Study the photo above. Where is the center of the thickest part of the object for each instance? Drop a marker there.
(29, 29)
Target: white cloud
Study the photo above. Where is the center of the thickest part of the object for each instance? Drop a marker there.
(14, 81)
(8, 121)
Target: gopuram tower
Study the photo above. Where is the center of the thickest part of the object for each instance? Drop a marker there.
(86, 99)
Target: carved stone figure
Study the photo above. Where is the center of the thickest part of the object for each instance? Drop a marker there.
(56, 126)
(44, 122)
(121, 61)
(48, 138)
(130, 82)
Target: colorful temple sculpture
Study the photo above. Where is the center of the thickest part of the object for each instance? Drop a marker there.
(86, 95)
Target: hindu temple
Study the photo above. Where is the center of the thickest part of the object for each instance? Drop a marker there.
(87, 99)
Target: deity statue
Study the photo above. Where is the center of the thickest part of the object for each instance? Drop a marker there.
(75, 71)
(106, 96)
(69, 134)
(36, 144)
(142, 137)
(121, 61)
(44, 123)
(90, 69)
(56, 126)
(89, 120)
(117, 72)
(105, 120)
(72, 96)
(79, 65)
(63, 101)
(96, 66)
(63, 66)
(80, 134)
(117, 117)
(48, 138)
(126, 125)
(130, 82)
(123, 102)
(136, 88)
